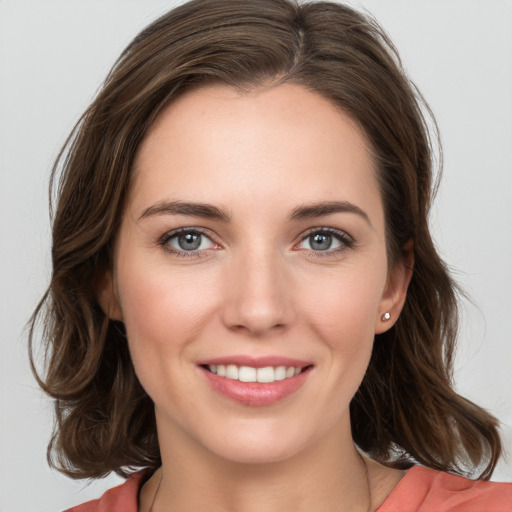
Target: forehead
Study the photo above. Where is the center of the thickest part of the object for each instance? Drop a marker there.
(217, 143)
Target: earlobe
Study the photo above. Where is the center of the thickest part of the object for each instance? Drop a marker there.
(107, 298)
(395, 293)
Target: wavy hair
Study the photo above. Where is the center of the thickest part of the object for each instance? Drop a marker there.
(406, 409)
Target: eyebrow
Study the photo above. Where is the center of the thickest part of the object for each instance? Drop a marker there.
(204, 210)
(310, 211)
(208, 211)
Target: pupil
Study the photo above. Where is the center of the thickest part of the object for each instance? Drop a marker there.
(321, 242)
(189, 242)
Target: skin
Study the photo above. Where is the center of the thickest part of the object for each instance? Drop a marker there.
(255, 287)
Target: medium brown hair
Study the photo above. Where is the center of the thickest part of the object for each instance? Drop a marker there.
(405, 410)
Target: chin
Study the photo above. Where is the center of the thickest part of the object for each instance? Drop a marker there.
(261, 443)
(269, 453)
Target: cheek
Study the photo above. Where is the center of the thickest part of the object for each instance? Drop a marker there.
(344, 305)
(154, 297)
(163, 312)
(342, 314)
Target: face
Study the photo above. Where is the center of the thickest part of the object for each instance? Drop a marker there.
(251, 271)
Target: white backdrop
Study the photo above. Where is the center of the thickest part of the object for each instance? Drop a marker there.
(53, 57)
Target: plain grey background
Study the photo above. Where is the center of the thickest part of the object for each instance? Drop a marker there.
(54, 55)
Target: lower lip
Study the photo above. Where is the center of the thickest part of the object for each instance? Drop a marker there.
(256, 393)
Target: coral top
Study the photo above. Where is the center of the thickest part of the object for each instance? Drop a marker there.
(420, 490)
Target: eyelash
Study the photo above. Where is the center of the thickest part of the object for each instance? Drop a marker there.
(167, 237)
(345, 240)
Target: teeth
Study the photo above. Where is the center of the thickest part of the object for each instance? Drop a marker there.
(250, 374)
(265, 374)
(232, 371)
(247, 374)
(280, 373)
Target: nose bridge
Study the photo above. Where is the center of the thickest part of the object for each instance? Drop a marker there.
(259, 295)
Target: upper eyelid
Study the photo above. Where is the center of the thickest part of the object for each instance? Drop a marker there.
(187, 229)
(345, 240)
(332, 231)
(169, 235)
(164, 240)
(212, 236)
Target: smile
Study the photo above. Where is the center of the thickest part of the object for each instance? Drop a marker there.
(267, 374)
(256, 381)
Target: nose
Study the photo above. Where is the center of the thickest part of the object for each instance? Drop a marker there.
(258, 294)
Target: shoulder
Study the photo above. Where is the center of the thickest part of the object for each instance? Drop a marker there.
(425, 490)
(123, 498)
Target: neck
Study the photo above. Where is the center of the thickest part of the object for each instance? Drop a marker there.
(328, 475)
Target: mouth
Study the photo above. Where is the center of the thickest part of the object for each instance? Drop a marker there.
(265, 375)
(256, 382)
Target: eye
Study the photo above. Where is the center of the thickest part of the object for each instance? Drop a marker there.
(186, 242)
(326, 240)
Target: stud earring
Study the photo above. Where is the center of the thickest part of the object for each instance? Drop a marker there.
(386, 316)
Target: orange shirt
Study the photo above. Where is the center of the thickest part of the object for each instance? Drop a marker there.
(420, 490)
(426, 490)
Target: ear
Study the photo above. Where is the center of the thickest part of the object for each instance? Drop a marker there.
(395, 292)
(104, 286)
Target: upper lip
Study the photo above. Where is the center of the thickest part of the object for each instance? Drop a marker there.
(256, 362)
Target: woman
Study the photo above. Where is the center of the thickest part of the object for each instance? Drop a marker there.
(246, 309)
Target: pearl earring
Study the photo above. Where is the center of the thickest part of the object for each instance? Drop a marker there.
(386, 316)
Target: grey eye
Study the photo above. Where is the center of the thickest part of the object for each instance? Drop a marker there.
(320, 241)
(324, 240)
(189, 241)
